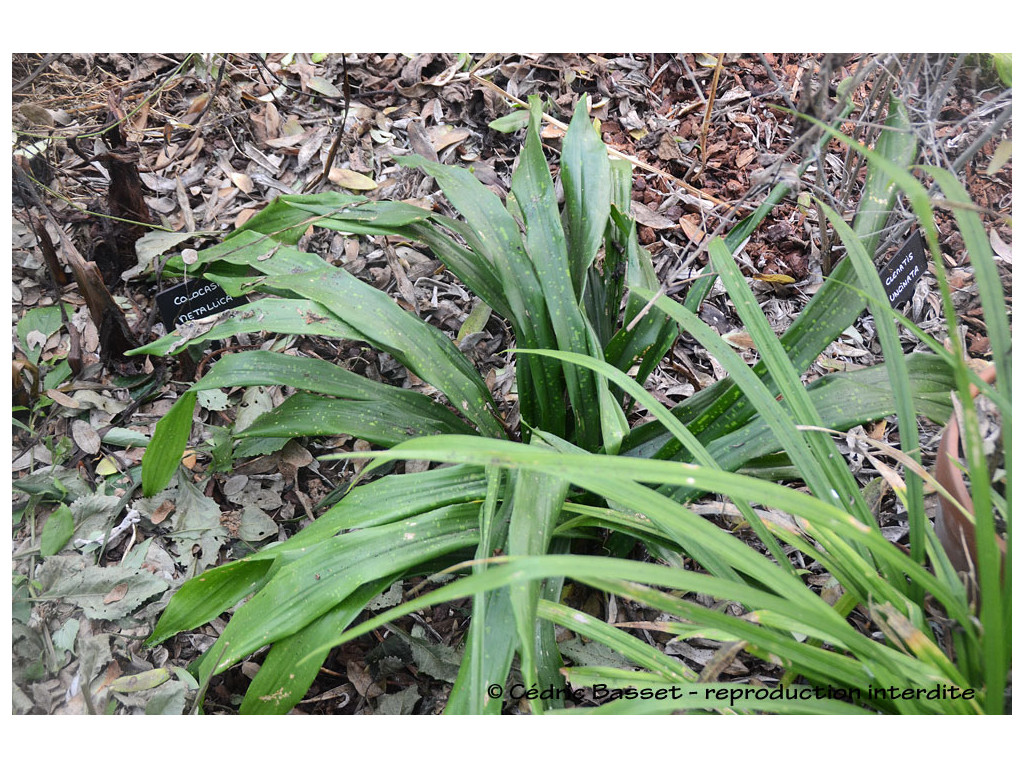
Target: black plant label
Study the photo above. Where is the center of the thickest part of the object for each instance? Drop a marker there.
(905, 270)
(192, 300)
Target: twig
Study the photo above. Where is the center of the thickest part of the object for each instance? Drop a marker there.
(992, 130)
(647, 308)
(780, 87)
(329, 162)
(48, 59)
(706, 124)
(216, 89)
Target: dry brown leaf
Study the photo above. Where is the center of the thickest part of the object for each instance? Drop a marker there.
(648, 218)
(668, 148)
(739, 339)
(117, 593)
(361, 680)
(420, 142)
(135, 128)
(296, 455)
(343, 177)
(692, 230)
(891, 476)
(243, 182)
(61, 399)
(846, 350)
(718, 146)
(443, 136)
(321, 85)
(196, 107)
(36, 115)
(745, 157)
(288, 140)
(1001, 248)
(85, 437)
(878, 430)
(160, 513)
(243, 216)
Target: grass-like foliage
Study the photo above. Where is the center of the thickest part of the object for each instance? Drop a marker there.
(582, 301)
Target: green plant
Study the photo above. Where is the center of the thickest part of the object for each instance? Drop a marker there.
(571, 466)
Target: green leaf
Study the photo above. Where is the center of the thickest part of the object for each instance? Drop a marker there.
(124, 438)
(875, 665)
(397, 497)
(897, 144)
(823, 467)
(586, 179)
(469, 266)
(490, 642)
(535, 509)
(254, 249)
(545, 240)
(646, 333)
(286, 673)
(40, 323)
(385, 415)
(1004, 66)
(425, 350)
(283, 316)
(618, 478)
(475, 321)
(678, 430)
(990, 286)
(170, 436)
(201, 599)
(287, 223)
(511, 122)
(898, 374)
(493, 233)
(618, 641)
(843, 400)
(305, 589)
(57, 531)
(379, 422)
